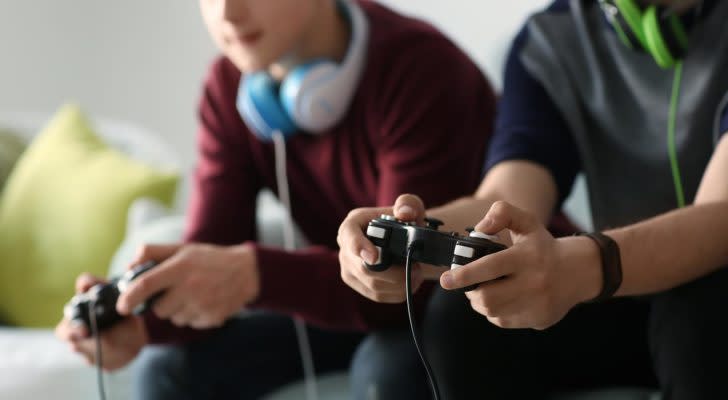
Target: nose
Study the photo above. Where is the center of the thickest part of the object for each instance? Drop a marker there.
(235, 11)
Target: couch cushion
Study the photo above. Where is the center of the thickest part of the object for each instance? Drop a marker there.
(63, 212)
(11, 147)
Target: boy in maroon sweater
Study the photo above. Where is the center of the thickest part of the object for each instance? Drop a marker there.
(418, 120)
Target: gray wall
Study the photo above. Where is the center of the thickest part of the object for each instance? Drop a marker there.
(135, 60)
(143, 60)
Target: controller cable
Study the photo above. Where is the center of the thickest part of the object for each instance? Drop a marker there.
(304, 344)
(413, 327)
(99, 355)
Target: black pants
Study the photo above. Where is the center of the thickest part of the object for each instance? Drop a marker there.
(386, 367)
(677, 341)
(246, 359)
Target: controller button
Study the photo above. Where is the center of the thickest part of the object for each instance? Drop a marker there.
(377, 232)
(482, 235)
(388, 217)
(464, 251)
(455, 266)
(379, 256)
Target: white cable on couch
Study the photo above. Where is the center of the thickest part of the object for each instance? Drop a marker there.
(309, 372)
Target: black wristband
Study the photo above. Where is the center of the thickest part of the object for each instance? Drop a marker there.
(611, 264)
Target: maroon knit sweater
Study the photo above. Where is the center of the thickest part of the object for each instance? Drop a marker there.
(418, 123)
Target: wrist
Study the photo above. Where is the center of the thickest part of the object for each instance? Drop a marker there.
(610, 262)
(245, 258)
(582, 257)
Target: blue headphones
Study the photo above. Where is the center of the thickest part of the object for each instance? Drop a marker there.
(314, 96)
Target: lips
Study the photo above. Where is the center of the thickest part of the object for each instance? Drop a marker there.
(248, 39)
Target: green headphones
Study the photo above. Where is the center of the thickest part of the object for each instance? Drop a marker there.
(662, 34)
(653, 29)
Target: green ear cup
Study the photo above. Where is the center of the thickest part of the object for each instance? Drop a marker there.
(632, 14)
(655, 42)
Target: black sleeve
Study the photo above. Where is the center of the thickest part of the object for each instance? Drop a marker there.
(530, 127)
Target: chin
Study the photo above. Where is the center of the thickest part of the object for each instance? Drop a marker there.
(248, 64)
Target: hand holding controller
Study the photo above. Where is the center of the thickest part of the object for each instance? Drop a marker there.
(392, 237)
(102, 298)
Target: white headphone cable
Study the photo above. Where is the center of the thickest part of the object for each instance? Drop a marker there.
(309, 372)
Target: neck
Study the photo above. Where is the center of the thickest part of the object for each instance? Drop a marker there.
(327, 37)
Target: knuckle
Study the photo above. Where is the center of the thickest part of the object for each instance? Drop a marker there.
(179, 321)
(499, 207)
(385, 298)
(143, 250)
(354, 214)
(368, 281)
(344, 273)
(160, 311)
(378, 285)
(408, 197)
(142, 285)
(484, 297)
(339, 239)
(505, 323)
(458, 276)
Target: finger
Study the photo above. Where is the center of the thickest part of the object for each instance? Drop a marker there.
(86, 281)
(184, 317)
(409, 207)
(394, 297)
(488, 268)
(87, 347)
(383, 287)
(71, 330)
(89, 358)
(150, 283)
(495, 299)
(369, 284)
(503, 215)
(394, 275)
(206, 322)
(351, 237)
(154, 252)
(77, 330)
(169, 304)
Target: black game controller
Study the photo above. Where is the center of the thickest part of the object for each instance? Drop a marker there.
(103, 299)
(447, 249)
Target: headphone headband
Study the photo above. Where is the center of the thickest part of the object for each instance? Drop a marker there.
(656, 30)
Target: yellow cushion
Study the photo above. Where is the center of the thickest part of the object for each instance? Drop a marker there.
(11, 147)
(63, 212)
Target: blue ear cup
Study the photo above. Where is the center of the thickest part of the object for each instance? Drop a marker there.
(301, 98)
(259, 105)
(314, 96)
(267, 106)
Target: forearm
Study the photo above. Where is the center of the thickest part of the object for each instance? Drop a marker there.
(682, 245)
(307, 283)
(673, 248)
(523, 184)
